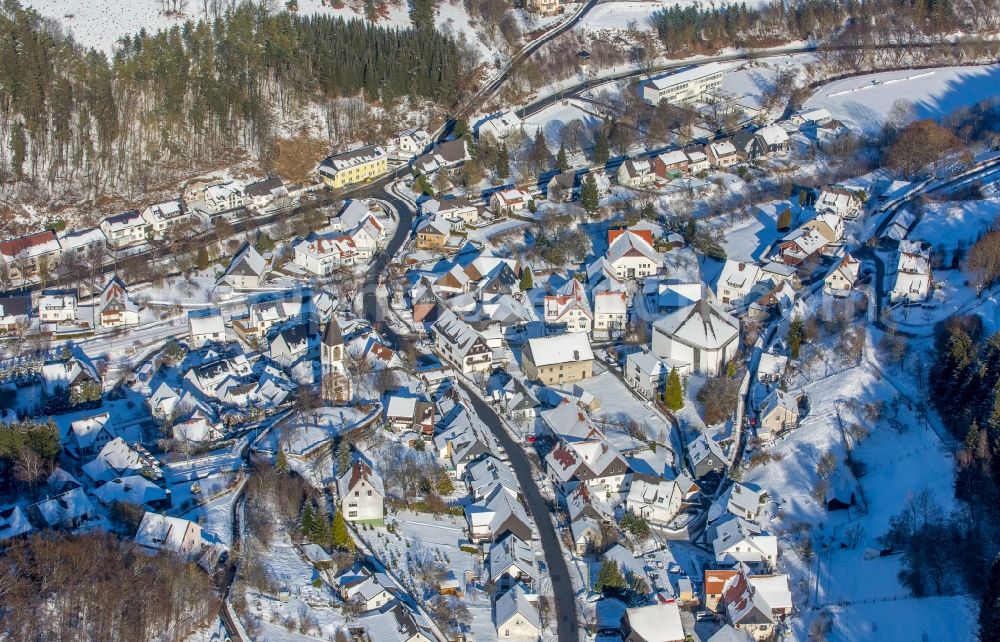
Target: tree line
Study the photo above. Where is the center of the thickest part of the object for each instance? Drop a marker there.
(194, 95)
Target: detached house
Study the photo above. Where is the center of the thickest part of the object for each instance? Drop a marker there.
(738, 540)
(27, 255)
(568, 310)
(636, 173)
(646, 373)
(558, 359)
(499, 125)
(631, 255)
(114, 308)
(432, 234)
(225, 196)
(654, 499)
(263, 194)
(511, 560)
(515, 615)
(497, 515)
(57, 306)
(247, 269)
(362, 493)
(205, 326)
(124, 230)
(912, 282)
(844, 277)
(737, 281)
(841, 201)
(160, 218)
(721, 154)
(654, 623)
(510, 200)
(460, 345)
(356, 166)
(779, 412)
(161, 532)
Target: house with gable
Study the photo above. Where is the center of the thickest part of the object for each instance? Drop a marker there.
(161, 532)
(362, 493)
(114, 308)
(637, 173)
(247, 269)
(912, 281)
(631, 255)
(511, 560)
(844, 277)
(516, 615)
(124, 230)
(497, 515)
(460, 345)
(558, 359)
(701, 334)
(568, 310)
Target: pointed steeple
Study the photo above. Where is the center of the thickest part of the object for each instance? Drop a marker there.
(332, 335)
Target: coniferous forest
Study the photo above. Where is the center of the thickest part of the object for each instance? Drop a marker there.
(194, 94)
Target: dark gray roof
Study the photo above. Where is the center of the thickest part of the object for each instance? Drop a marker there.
(332, 334)
(263, 188)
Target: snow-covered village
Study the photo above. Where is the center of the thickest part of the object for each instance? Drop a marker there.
(440, 321)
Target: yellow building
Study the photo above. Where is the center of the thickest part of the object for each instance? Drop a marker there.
(356, 166)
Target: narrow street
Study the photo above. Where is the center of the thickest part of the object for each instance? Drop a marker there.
(562, 586)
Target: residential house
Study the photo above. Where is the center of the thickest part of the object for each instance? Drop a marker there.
(510, 561)
(370, 591)
(748, 145)
(518, 401)
(65, 510)
(773, 139)
(646, 373)
(748, 603)
(844, 202)
(161, 218)
(393, 622)
(705, 457)
(737, 281)
(465, 440)
(912, 282)
(740, 541)
(800, 245)
(654, 499)
(499, 125)
(89, 435)
(844, 277)
(265, 193)
(701, 334)
(205, 326)
(610, 313)
(659, 622)
(225, 196)
(13, 523)
(411, 142)
(631, 255)
(355, 166)
(116, 459)
(114, 307)
(722, 154)
(829, 225)
(671, 164)
(362, 493)
(496, 515)
(161, 532)
(778, 412)
(74, 376)
(134, 490)
(409, 413)
(460, 345)
(510, 200)
(714, 586)
(444, 155)
(57, 306)
(546, 7)
(515, 615)
(432, 234)
(746, 500)
(697, 160)
(568, 310)
(28, 255)
(247, 269)
(322, 254)
(289, 344)
(486, 474)
(561, 188)
(685, 86)
(81, 245)
(124, 230)
(771, 368)
(558, 359)
(15, 312)
(636, 173)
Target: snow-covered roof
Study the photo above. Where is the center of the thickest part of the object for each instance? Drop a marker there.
(779, 399)
(610, 303)
(13, 522)
(629, 243)
(563, 348)
(359, 471)
(513, 602)
(771, 364)
(86, 430)
(64, 508)
(656, 621)
(352, 158)
(739, 275)
(647, 363)
(775, 589)
(115, 458)
(673, 157)
(206, 324)
(74, 239)
(164, 532)
(722, 149)
(571, 296)
(773, 135)
(914, 257)
(687, 75)
(703, 324)
(133, 489)
(509, 552)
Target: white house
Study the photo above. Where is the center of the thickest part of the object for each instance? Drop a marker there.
(362, 493)
(778, 412)
(722, 154)
(842, 278)
(646, 373)
(411, 142)
(460, 345)
(631, 255)
(265, 193)
(82, 243)
(636, 172)
(610, 313)
(737, 281)
(516, 615)
(685, 86)
(124, 230)
(205, 326)
(162, 532)
(225, 196)
(912, 282)
(247, 269)
(114, 308)
(656, 500)
(499, 125)
(165, 216)
(90, 434)
(57, 306)
(320, 255)
(746, 500)
(841, 201)
(569, 309)
(701, 334)
(738, 540)
(511, 200)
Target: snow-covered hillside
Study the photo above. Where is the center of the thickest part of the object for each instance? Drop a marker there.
(864, 102)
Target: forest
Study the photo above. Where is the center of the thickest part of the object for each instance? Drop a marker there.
(196, 95)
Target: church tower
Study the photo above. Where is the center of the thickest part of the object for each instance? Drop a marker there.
(334, 385)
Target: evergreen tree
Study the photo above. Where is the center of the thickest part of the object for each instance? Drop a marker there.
(503, 162)
(989, 606)
(18, 148)
(609, 577)
(795, 337)
(589, 198)
(307, 519)
(320, 530)
(784, 219)
(343, 457)
(201, 260)
(673, 396)
(562, 163)
(422, 13)
(602, 152)
(281, 463)
(443, 484)
(648, 212)
(527, 280)
(340, 537)
(423, 186)
(539, 156)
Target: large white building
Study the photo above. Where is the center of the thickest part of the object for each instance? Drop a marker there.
(684, 86)
(701, 334)
(362, 493)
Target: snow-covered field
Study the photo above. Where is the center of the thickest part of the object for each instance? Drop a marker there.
(864, 102)
(947, 226)
(623, 15)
